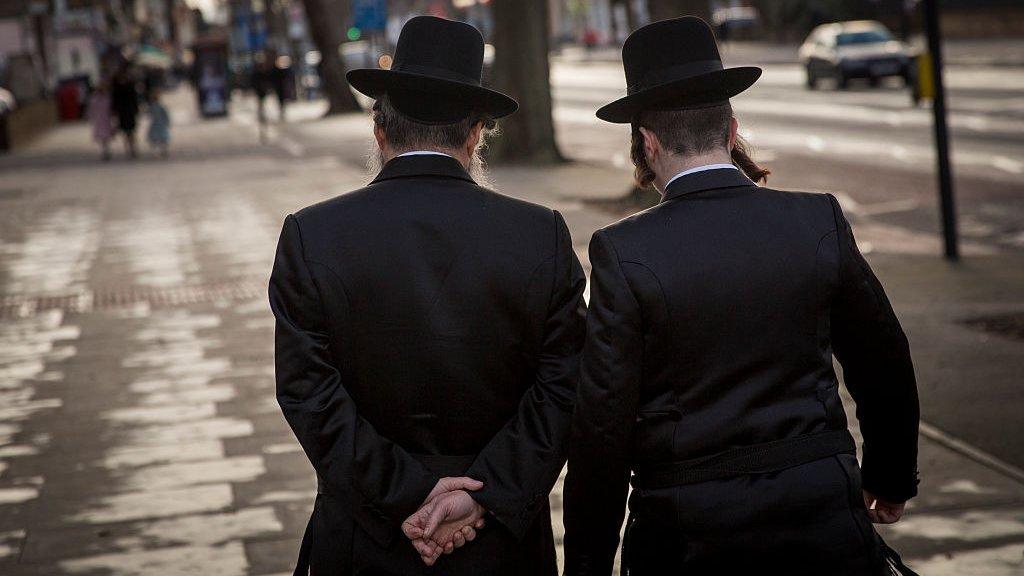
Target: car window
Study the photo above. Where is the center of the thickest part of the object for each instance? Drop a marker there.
(864, 37)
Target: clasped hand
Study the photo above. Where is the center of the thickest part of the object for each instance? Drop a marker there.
(448, 518)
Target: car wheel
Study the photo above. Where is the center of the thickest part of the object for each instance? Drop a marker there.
(812, 80)
(874, 81)
(842, 82)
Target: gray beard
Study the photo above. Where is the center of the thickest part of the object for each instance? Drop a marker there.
(477, 167)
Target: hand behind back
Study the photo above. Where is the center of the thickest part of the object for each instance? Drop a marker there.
(447, 520)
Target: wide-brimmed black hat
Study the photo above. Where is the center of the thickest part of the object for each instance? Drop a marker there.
(435, 74)
(674, 65)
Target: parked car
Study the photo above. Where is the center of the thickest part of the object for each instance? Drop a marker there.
(847, 50)
(736, 22)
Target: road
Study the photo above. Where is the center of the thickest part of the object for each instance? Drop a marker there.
(867, 144)
(138, 428)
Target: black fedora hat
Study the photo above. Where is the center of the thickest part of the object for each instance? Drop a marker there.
(674, 65)
(435, 75)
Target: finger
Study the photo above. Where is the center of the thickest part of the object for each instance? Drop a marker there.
(459, 539)
(461, 483)
(412, 529)
(469, 533)
(423, 547)
(479, 524)
(449, 548)
(434, 519)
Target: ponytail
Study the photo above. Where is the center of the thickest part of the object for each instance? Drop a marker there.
(742, 160)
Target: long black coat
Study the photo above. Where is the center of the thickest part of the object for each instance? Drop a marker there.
(714, 317)
(428, 327)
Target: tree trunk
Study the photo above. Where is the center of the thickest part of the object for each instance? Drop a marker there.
(630, 16)
(326, 20)
(521, 70)
(627, 6)
(665, 9)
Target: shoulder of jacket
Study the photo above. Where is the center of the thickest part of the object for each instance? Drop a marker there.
(517, 205)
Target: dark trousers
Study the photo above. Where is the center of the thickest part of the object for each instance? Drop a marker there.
(809, 519)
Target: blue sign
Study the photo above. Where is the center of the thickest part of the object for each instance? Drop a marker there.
(370, 15)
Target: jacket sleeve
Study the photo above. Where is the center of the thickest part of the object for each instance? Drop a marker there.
(520, 465)
(869, 343)
(606, 407)
(382, 483)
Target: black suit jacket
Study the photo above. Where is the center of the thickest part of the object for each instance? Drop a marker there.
(713, 320)
(427, 327)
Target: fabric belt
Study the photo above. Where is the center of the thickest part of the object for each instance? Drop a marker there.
(757, 459)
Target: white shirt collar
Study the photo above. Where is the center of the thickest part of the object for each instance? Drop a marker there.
(424, 153)
(698, 169)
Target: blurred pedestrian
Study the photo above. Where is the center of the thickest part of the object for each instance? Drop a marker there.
(98, 112)
(125, 104)
(159, 133)
(438, 387)
(283, 83)
(260, 80)
(707, 373)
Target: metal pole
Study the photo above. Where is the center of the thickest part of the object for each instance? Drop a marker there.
(949, 232)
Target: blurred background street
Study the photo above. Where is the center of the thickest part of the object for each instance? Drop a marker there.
(139, 433)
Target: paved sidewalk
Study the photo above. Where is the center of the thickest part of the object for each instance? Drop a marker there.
(138, 428)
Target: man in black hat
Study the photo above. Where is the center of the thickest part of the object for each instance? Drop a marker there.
(428, 337)
(707, 371)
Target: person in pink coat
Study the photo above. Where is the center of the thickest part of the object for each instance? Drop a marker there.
(100, 118)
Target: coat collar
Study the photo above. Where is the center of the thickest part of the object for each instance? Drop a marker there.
(706, 180)
(423, 165)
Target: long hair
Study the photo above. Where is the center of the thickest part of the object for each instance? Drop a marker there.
(690, 132)
(742, 160)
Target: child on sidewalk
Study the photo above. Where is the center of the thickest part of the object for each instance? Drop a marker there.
(159, 135)
(100, 117)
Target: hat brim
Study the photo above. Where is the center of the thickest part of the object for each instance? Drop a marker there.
(691, 92)
(375, 82)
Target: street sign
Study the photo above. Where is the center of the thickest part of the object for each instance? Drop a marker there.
(370, 15)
